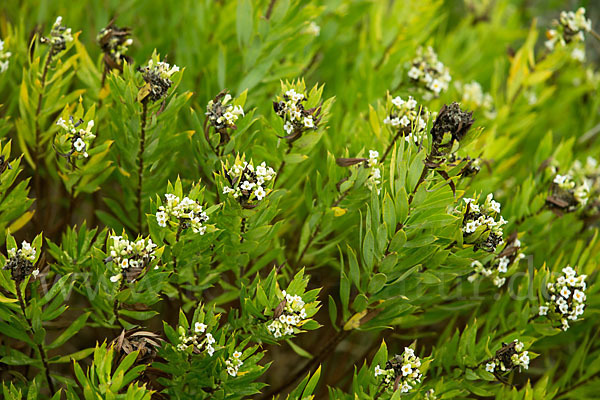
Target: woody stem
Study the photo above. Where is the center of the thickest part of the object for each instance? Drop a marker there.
(40, 347)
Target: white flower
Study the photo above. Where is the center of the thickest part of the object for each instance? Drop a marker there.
(405, 387)
(199, 327)
(579, 296)
(489, 367)
(404, 121)
(406, 369)
(543, 310)
(210, 350)
(414, 73)
(397, 101)
(499, 281)
(288, 127)
(260, 193)
(247, 185)
(565, 292)
(379, 371)
(115, 278)
(161, 218)
(436, 86)
(578, 54)
(411, 103)
(79, 145)
(35, 273)
(471, 227)
(308, 122)
(209, 338)
(313, 29)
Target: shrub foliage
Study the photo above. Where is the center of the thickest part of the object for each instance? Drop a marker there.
(256, 199)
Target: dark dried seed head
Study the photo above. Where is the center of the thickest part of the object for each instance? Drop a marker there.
(451, 119)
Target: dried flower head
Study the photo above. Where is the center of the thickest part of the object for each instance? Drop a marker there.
(144, 342)
(428, 72)
(157, 75)
(21, 261)
(451, 125)
(567, 298)
(569, 30)
(403, 370)
(4, 56)
(407, 118)
(73, 140)
(248, 184)
(115, 42)
(59, 37)
(147, 344)
(297, 119)
(289, 314)
(496, 268)
(508, 358)
(129, 258)
(482, 223)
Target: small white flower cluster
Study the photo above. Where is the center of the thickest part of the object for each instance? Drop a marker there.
(293, 315)
(429, 72)
(508, 358)
(482, 219)
(26, 251)
(588, 176)
(567, 298)
(127, 255)
(248, 182)
(296, 118)
(406, 116)
(234, 363)
(313, 29)
(473, 97)
(570, 28)
(221, 114)
(405, 367)
(375, 175)
(187, 212)
(162, 69)
(4, 56)
(575, 192)
(59, 37)
(498, 266)
(157, 75)
(20, 262)
(197, 339)
(80, 138)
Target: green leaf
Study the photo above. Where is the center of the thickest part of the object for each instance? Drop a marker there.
(244, 22)
(377, 282)
(70, 331)
(299, 350)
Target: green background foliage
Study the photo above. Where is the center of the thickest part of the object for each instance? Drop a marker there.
(379, 270)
